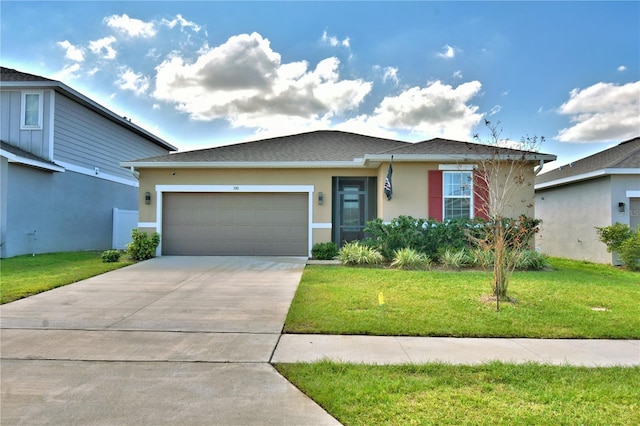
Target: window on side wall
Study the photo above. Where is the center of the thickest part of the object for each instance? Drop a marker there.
(31, 112)
(457, 191)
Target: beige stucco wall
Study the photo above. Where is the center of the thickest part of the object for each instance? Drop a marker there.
(410, 183)
(570, 214)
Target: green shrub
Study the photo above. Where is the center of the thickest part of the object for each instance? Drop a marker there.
(325, 251)
(111, 256)
(142, 246)
(625, 241)
(481, 258)
(455, 259)
(408, 258)
(425, 236)
(613, 236)
(354, 253)
(531, 260)
(629, 252)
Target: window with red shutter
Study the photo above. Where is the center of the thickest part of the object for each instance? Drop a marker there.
(450, 202)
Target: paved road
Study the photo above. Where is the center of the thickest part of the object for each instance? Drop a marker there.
(173, 340)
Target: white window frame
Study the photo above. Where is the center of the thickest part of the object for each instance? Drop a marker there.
(23, 111)
(445, 196)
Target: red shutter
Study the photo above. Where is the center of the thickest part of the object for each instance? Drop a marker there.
(435, 194)
(480, 195)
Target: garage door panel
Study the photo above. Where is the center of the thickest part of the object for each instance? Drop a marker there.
(235, 224)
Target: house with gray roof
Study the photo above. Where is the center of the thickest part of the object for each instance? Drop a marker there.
(60, 174)
(595, 191)
(280, 196)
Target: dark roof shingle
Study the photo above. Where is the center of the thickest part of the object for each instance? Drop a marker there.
(9, 74)
(625, 155)
(323, 145)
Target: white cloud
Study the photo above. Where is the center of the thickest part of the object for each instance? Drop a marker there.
(179, 20)
(72, 53)
(245, 82)
(622, 68)
(437, 110)
(130, 26)
(130, 80)
(69, 72)
(496, 109)
(390, 74)
(448, 52)
(602, 112)
(102, 47)
(334, 41)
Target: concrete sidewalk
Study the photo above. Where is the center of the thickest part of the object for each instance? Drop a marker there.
(405, 350)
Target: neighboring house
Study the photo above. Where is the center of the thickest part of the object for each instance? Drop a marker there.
(282, 195)
(60, 174)
(598, 190)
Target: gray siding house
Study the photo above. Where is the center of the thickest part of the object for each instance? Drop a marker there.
(598, 190)
(60, 174)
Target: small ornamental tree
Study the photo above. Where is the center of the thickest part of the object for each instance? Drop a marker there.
(506, 172)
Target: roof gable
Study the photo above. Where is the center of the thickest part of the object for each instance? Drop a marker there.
(318, 146)
(625, 155)
(328, 148)
(18, 80)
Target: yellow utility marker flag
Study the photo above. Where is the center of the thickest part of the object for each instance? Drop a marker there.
(380, 299)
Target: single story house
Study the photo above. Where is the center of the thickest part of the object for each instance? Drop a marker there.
(60, 174)
(282, 195)
(595, 191)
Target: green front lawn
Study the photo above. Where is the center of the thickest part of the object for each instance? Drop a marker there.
(490, 394)
(573, 300)
(23, 276)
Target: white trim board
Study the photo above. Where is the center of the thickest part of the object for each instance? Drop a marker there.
(96, 173)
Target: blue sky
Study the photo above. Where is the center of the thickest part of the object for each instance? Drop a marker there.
(205, 73)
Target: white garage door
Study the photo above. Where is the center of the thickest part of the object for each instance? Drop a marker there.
(235, 224)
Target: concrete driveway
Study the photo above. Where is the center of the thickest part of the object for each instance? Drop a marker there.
(173, 340)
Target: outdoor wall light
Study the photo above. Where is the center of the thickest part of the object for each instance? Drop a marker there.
(147, 198)
(320, 198)
(621, 207)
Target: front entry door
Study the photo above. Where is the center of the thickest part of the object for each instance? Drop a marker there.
(354, 205)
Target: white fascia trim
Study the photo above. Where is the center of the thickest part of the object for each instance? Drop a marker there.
(633, 194)
(235, 188)
(322, 225)
(534, 157)
(99, 175)
(243, 164)
(147, 225)
(457, 167)
(586, 176)
(12, 158)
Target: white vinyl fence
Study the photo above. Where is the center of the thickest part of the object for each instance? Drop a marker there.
(123, 222)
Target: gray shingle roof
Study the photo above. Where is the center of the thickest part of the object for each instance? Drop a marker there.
(9, 74)
(21, 152)
(447, 146)
(323, 145)
(625, 155)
